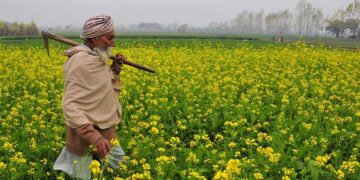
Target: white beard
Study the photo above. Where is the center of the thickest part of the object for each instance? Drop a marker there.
(103, 54)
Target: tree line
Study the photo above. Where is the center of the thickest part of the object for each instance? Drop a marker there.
(304, 20)
(18, 29)
(346, 21)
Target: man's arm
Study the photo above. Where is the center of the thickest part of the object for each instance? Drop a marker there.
(90, 134)
(116, 69)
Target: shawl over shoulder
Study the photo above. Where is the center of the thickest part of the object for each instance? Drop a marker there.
(91, 90)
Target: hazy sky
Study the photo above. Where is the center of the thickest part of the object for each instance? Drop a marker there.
(192, 12)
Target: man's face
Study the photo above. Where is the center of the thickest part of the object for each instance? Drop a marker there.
(102, 45)
(105, 41)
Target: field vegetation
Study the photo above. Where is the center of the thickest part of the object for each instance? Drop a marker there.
(215, 109)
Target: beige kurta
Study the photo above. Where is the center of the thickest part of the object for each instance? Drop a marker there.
(91, 90)
(91, 109)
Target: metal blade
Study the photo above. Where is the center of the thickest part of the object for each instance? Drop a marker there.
(46, 41)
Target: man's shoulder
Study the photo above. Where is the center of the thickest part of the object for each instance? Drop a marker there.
(80, 60)
(85, 55)
(83, 58)
(77, 49)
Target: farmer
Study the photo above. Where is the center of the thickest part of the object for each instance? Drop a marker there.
(90, 102)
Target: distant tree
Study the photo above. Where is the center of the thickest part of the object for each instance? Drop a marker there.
(239, 22)
(335, 24)
(149, 26)
(21, 29)
(236, 23)
(18, 29)
(300, 15)
(133, 26)
(271, 23)
(285, 20)
(353, 26)
(309, 12)
(317, 21)
(14, 29)
(246, 22)
(309, 20)
(182, 28)
(258, 21)
(218, 26)
(33, 29)
(352, 15)
(353, 10)
(250, 22)
(172, 27)
(336, 27)
(3, 28)
(279, 21)
(339, 14)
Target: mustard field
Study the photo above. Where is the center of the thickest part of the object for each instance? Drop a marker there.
(209, 112)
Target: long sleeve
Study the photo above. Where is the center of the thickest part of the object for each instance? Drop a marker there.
(89, 133)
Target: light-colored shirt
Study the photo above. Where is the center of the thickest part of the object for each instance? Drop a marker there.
(91, 90)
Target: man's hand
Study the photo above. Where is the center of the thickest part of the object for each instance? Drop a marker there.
(103, 147)
(117, 64)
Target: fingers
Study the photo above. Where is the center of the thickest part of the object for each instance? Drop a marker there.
(117, 64)
(101, 151)
(108, 147)
(104, 153)
(103, 147)
(120, 56)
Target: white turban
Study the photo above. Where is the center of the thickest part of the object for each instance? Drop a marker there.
(97, 26)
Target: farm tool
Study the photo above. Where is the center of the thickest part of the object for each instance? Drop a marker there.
(47, 36)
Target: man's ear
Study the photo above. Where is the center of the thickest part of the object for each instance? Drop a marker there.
(91, 42)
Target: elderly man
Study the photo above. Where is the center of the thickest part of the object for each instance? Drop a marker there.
(90, 103)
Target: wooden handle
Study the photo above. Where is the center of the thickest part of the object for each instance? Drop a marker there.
(60, 38)
(74, 43)
(133, 64)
